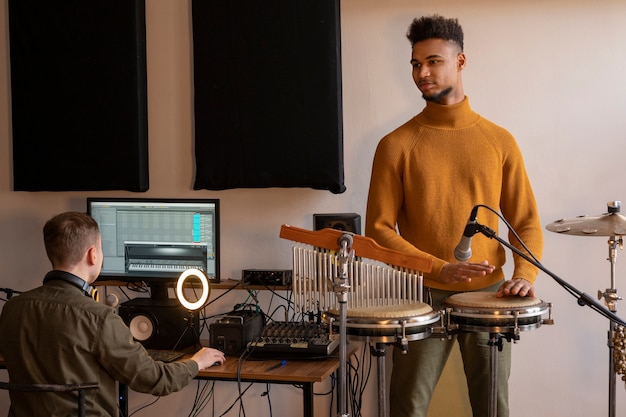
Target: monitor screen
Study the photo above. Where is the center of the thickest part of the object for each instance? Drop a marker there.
(152, 240)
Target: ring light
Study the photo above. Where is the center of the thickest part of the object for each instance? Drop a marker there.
(206, 289)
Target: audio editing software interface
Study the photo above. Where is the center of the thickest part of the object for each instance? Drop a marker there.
(157, 238)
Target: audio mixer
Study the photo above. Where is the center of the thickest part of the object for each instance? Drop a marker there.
(294, 339)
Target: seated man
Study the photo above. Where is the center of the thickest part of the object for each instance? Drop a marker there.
(54, 334)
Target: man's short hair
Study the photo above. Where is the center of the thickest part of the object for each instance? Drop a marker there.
(435, 27)
(67, 236)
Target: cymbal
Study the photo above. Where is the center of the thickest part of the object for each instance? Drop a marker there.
(608, 224)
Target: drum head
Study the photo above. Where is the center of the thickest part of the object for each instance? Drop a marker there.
(490, 300)
(400, 311)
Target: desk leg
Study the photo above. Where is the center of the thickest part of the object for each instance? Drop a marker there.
(122, 392)
(307, 399)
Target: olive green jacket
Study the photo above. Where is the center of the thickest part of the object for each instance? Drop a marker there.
(54, 334)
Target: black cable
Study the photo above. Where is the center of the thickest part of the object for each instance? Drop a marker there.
(202, 398)
(358, 378)
(269, 400)
(144, 406)
(531, 257)
(195, 400)
(274, 291)
(332, 393)
(278, 307)
(352, 384)
(238, 399)
(511, 230)
(242, 358)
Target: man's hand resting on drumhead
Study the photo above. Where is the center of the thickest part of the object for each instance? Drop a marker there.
(516, 286)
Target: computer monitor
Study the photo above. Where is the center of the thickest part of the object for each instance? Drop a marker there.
(155, 240)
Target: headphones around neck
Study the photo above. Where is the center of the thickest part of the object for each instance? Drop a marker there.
(87, 288)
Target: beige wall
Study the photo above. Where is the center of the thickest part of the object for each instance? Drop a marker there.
(551, 71)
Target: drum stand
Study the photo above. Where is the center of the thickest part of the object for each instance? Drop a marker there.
(495, 346)
(380, 352)
(610, 299)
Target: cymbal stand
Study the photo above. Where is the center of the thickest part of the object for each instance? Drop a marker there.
(341, 288)
(610, 300)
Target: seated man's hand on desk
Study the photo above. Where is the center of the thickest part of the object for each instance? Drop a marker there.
(207, 357)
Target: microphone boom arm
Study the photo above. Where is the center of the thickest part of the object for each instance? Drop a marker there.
(583, 299)
(9, 292)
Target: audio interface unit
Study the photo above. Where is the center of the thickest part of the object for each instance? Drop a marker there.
(272, 277)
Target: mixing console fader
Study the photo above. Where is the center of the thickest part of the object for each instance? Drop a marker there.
(294, 339)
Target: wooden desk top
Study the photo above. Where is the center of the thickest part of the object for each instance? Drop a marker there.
(296, 370)
(258, 370)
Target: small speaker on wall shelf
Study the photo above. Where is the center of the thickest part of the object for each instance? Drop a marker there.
(346, 222)
(160, 324)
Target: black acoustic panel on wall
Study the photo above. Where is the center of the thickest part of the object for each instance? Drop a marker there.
(267, 94)
(78, 95)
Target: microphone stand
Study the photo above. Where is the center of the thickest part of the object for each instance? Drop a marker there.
(341, 287)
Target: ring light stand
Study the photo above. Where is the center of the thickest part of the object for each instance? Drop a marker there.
(192, 306)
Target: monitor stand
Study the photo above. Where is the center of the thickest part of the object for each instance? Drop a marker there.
(159, 291)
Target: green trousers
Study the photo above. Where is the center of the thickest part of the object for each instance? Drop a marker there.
(416, 372)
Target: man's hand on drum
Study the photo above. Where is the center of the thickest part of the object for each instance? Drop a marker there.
(516, 286)
(464, 271)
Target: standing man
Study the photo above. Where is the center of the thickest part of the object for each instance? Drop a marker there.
(54, 334)
(427, 176)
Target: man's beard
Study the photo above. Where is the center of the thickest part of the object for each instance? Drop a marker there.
(439, 96)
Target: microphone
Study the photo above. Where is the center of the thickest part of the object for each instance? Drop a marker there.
(463, 250)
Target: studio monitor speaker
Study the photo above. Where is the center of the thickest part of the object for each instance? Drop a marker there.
(346, 222)
(160, 324)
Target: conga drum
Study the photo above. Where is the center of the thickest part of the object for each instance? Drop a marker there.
(482, 311)
(388, 324)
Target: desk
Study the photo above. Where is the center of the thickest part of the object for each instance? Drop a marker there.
(303, 372)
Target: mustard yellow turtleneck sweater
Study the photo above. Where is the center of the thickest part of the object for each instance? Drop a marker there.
(429, 173)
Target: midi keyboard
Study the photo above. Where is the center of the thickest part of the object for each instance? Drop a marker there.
(294, 340)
